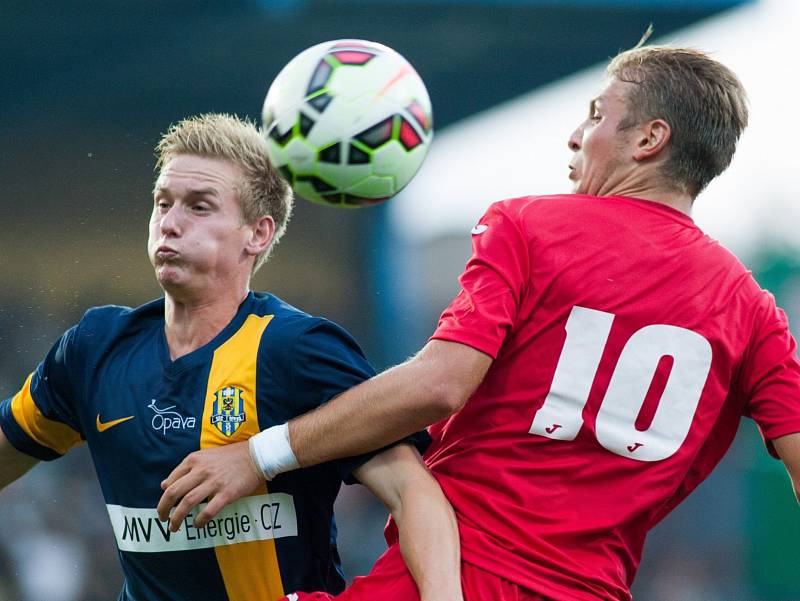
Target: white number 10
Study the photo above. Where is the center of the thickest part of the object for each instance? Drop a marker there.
(560, 417)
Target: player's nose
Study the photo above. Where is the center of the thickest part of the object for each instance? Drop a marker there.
(170, 221)
(574, 141)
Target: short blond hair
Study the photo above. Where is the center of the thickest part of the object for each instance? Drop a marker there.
(703, 101)
(219, 136)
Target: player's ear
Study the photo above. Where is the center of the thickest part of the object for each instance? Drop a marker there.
(261, 234)
(652, 138)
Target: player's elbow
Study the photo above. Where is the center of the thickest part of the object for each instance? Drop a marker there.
(445, 374)
(445, 399)
(449, 373)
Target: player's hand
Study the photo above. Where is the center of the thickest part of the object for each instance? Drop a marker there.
(222, 475)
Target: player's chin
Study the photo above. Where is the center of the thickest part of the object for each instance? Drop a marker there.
(575, 180)
(170, 276)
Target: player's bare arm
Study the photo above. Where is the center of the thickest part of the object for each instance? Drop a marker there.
(13, 464)
(429, 387)
(788, 448)
(425, 520)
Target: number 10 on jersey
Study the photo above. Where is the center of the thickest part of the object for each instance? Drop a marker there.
(560, 417)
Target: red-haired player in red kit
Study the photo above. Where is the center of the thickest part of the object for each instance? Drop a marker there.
(594, 367)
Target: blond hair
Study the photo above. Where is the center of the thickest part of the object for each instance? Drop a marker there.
(262, 190)
(702, 100)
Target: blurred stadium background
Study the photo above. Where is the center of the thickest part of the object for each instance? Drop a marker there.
(89, 85)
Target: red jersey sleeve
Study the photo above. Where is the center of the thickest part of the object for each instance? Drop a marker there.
(770, 376)
(492, 285)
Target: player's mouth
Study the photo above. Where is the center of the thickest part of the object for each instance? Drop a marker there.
(573, 172)
(165, 253)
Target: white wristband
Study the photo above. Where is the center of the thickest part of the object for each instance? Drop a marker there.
(272, 452)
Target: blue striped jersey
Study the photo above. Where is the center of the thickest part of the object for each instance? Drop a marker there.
(109, 381)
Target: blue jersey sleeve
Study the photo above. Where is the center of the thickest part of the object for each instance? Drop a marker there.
(40, 419)
(325, 361)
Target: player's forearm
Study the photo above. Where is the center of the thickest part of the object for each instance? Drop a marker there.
(429, 543)
(12, 463)
(788, 448)
(403, 400)
(425, 520)
(367, 417)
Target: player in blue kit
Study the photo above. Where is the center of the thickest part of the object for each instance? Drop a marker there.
(213, 363)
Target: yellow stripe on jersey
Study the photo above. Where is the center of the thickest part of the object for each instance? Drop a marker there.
(47, 432)
(250, 570)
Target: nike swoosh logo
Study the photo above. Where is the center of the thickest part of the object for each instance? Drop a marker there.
(479, 229)
(103, 426)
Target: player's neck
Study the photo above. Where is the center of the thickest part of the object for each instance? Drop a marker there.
(644, 188)
(679, 202)
(193, 323)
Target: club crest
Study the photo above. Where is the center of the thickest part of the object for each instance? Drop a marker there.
(228, 410)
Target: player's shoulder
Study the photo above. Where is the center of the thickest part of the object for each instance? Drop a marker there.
(550, 206)
(527, 214)
(102, 326)
(522, 204)
(107, 321)
(584, 203)
(712, 256)
(287, 322)
(283, 315)
(294, 338)
(763, 306)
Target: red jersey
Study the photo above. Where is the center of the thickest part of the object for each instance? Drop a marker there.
(627, 346)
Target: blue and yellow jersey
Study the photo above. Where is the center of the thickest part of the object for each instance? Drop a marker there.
(110, 381)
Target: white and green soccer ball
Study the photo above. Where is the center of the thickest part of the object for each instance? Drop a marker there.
(348, 123)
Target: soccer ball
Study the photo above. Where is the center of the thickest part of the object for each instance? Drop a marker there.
(347, 123)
